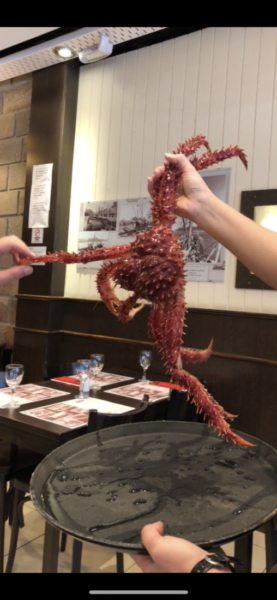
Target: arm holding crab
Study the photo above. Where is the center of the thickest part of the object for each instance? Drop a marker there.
(252, 244)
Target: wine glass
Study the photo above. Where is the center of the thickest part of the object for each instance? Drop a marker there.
(13, 375)
(96, 365)
(145, 358)
(82, 370)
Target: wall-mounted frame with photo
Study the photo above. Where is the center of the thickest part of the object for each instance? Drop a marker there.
(103, 224)
(260, 206)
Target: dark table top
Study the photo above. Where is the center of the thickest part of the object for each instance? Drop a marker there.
(43, 437)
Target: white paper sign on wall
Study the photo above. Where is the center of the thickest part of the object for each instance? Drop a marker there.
(40, 196)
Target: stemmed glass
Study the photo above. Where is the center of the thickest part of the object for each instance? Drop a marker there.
(82, 370)
(96, 365)
(13, 375)
(145, 358)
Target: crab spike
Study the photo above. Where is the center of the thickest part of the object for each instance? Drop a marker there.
(231, 436)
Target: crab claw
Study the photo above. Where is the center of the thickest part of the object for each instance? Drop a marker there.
(236, 439)
(134, 311)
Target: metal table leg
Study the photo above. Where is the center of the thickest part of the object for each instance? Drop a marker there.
(271, 543)
(51, 549)
(119, 562)
(243, 552)
(76, 556)
(2, 520)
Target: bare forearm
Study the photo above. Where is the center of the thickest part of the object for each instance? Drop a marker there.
(252, 244)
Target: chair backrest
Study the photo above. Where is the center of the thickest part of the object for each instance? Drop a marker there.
(51, 371)
(99, 421)
(2, 380)
(180, 409)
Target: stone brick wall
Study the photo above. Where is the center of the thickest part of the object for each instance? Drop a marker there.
(15, 101)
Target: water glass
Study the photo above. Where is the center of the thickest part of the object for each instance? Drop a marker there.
(13, 376)
(96, 365)
(82, 370)
(145, 358)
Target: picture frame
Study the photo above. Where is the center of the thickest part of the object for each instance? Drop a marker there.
(245, 279)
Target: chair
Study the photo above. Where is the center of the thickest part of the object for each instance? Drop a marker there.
(12, 460)
(52, 371)
(22, 481)
(180, 409)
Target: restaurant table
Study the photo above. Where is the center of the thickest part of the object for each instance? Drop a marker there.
(43, 437)
(104, 487)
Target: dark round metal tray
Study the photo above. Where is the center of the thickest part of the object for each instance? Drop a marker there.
(105, 486)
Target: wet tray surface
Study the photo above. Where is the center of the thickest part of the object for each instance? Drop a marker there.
(105, 486)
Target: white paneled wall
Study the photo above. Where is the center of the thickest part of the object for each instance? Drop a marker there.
(134, 107)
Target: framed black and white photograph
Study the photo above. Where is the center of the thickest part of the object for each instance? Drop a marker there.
(133, 218)
(98, 216)
(205, 257)
(261, 207)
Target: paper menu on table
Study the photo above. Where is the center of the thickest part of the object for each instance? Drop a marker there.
(40, 196)
(28, 393)
(74, 413)
(60, 414)
(137, 391)
(103, 406)
(102, 379)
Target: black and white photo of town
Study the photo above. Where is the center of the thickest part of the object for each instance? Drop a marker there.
(98, 216)
(197, 245)
(134, 218)
(204, 256)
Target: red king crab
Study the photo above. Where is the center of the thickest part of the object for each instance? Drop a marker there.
(153, 268)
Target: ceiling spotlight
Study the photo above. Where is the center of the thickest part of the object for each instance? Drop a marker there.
(101, 50)
(64, 52)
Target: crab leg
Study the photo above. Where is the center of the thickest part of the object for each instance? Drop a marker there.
(172, 329)
(162, 338)
(192, 144)
(157, 332)
(85, 256)
(208, 159)
(190, 355)
(164, 193)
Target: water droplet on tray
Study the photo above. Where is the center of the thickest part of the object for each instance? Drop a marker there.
(84, 494)
(140, 501)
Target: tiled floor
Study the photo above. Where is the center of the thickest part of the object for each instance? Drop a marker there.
(28, 557)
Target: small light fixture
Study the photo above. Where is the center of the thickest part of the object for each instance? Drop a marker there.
(101, 50)
(64, 52)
